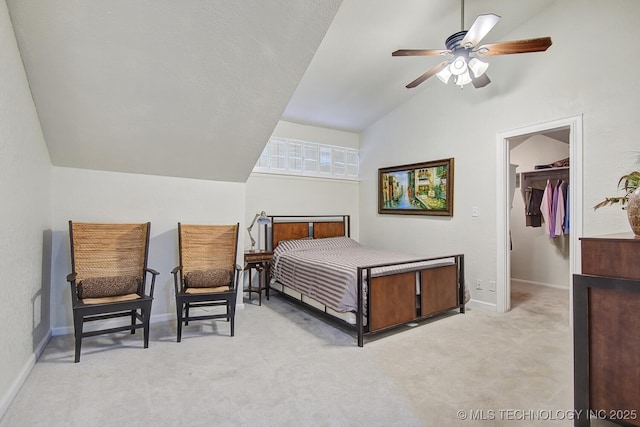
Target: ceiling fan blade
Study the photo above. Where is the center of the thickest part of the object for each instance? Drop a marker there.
(481, 81)
(516, 46)
(425, 76)
(420, 52)
(480, 28)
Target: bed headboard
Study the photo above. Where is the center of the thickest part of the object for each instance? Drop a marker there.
(290, 227)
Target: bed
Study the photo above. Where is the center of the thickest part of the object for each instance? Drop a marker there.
(315, 262)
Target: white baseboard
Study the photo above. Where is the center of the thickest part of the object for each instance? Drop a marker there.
(155, 318)
(13, 390)
(483, 305)
(68, 330)
(549, 285)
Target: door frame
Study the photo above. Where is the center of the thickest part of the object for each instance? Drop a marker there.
(503, 256)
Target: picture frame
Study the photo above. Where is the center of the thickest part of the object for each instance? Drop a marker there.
(417, 189)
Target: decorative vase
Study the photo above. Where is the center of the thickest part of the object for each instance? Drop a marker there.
(633, 211)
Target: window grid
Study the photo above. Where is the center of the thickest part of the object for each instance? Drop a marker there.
(294, 153)
(278, 154)
(294, 157)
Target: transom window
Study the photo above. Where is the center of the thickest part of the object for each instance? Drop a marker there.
(295, 157)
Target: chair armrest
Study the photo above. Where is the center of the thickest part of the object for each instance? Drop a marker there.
(71, 278)
(154, 273)
(177, 279)
(236, 277)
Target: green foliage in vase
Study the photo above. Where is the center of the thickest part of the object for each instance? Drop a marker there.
(628, 183)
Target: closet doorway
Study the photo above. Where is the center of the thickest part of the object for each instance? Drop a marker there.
(570, 131)
(539, 248)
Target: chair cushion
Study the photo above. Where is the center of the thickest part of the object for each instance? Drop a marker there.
(107, 300)
(199, 291)
(207, 278)
(101, 287)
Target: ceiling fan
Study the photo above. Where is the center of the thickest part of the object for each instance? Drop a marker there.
(464, 66)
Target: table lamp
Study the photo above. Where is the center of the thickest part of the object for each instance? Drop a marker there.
(262, 219)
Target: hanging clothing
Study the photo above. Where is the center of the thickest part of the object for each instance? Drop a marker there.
(533, 198)
(546, 206)
(558, 208)
(565, 224)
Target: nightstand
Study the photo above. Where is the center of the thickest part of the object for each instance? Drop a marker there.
(258, 260)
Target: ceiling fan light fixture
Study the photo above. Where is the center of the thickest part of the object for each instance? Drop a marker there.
(478, 67)
(464, 47)
(458, 66)
(444, 75)
(463, 79)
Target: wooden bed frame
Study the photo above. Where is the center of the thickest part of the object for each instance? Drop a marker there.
(415, 294)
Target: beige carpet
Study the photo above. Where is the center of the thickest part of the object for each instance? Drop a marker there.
(285, 367)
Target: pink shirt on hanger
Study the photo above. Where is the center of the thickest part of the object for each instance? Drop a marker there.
(546, 206)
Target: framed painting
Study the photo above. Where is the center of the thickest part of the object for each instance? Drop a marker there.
(417, 189)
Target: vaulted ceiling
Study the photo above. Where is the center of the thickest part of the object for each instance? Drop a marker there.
(194, 88)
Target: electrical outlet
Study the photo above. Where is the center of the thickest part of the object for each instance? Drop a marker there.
(475, 211)
(478, 284)
(492, 285)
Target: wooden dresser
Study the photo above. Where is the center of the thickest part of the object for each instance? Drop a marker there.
(606, 306)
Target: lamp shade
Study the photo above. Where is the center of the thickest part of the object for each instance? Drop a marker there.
(477, 67)
(458, 66)
(463, 79)
(263, 218)
(444, 75)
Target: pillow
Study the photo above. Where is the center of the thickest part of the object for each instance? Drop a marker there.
(315, 244)
(100, 287)
(208, 278)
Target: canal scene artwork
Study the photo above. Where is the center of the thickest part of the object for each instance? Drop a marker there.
(417, 189)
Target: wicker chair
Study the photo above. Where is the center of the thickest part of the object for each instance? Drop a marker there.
(109, 271)
(208, 274)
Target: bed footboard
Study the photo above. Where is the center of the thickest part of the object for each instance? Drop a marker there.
(417, 292)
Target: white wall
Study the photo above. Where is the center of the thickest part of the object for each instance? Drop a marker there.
(287, 195)
(316, 134)
(87, 195)
(97, 196)
(25, 221)
(572, 78)
(536, 257)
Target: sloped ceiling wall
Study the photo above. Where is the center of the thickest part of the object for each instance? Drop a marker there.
(185, 88)
(353, 80)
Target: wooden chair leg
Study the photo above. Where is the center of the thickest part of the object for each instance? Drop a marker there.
(179, 316)
(231, 309)
(133, 322)
(186, 314)
(146, 316)
(77, 328)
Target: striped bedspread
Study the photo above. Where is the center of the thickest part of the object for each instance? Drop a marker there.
(326, 269)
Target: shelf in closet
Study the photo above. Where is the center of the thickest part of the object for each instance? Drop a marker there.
(544, 174)
(540, 176)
